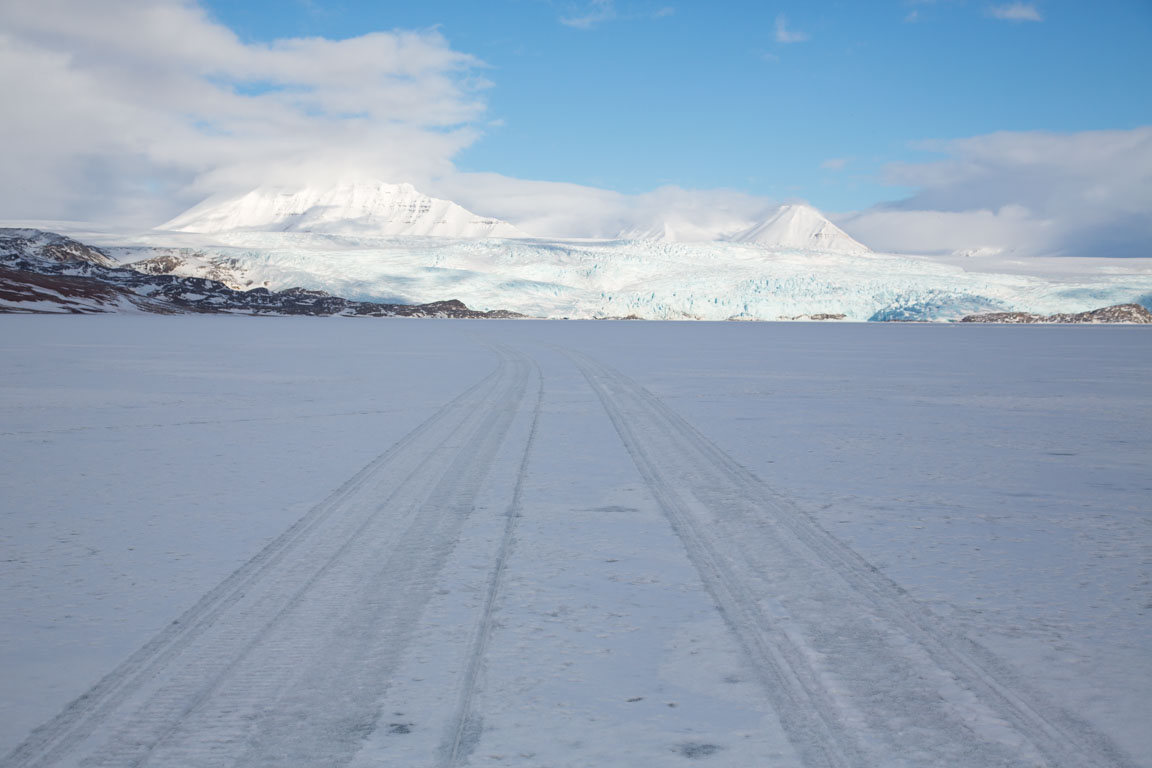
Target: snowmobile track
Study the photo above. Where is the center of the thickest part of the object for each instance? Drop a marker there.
(367, 555)
(464, 728)
(858, 672)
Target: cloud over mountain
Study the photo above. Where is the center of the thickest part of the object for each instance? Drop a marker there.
(145, 100)
(129, 111)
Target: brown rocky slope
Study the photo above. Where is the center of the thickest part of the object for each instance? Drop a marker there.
(1120, 313)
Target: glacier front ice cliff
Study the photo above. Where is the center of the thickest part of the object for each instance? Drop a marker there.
(646, 279)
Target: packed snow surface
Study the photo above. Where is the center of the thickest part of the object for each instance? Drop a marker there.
(298, 542)
(365, 208)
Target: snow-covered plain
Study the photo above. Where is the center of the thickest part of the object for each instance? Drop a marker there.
(292, 541)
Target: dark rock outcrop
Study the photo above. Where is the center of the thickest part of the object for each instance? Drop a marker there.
(817, 316)
(170, 261)
(1120, 313)
(49, 246)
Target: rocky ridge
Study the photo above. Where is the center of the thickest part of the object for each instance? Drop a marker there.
(1120, 313)
(46, 273)
(38, 245)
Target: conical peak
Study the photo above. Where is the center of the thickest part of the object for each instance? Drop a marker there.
(798, 225)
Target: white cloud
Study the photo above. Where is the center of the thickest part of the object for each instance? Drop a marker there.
(1084, 194)
(117, 107)
(1027, 193)
(130, 128)
(834, 164)
(1015, 12)
(593, 13)
(1010, 229)
(556, 209)
(786, 35)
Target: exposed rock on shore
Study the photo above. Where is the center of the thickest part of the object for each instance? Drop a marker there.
(1120, 313)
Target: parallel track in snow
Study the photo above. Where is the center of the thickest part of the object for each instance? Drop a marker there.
(284, 661)
(287, 662)
(464, 727)
(858, 672)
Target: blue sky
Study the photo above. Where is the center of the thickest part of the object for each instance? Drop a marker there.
(921, 126)
(630, 96)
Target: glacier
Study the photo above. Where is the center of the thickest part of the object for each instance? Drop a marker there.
(647, 279)
(371, 240)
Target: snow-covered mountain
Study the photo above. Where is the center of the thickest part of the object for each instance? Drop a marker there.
(790, 226)
(46, 273)
(695, 226)
(672, 231)
(50, 247)
(369, 243)
(361, 208)
(647, 279)
(379, 209)
(800, 226)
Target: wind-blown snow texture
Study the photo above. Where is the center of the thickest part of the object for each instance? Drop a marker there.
(651, 280)
(330, 542)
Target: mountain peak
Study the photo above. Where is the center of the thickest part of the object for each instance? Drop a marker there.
(372, 208)
(800, 226)
(796, 225)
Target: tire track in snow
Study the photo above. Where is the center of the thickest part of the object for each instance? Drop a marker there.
(463, 730)
(299, 691)
(805, 710)
(322, 715)
(859, 673)
(259, 592)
